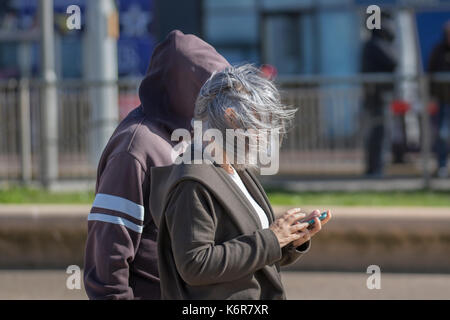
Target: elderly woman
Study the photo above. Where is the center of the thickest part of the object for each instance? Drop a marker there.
(218, 237)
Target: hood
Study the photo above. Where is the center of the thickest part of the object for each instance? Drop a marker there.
(179, 67)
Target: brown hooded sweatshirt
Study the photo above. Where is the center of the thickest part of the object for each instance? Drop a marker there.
(121, 253)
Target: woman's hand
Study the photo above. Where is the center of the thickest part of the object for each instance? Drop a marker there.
(287, 229)
(312, 230)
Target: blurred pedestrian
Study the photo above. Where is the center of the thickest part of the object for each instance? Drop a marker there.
(378, 55)
(121, 254)
(440, 62)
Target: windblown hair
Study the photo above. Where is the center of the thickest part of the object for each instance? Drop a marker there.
(254, 99)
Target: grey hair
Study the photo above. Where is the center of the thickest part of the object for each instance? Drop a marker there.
(254, 99)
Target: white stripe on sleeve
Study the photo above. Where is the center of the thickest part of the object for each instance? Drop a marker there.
(116, 203)
(115, 220)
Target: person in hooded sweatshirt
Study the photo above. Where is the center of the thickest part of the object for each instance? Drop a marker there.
(121, 253)
(218, 237)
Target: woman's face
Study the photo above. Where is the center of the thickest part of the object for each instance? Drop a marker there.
(252, 144)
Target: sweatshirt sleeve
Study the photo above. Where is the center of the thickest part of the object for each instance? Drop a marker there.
(192, 225)
(115, 226)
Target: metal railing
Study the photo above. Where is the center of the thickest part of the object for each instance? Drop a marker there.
(20, 142)
(328, 137)
(330, 133)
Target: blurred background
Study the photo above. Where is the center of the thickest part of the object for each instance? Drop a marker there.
(370, 140)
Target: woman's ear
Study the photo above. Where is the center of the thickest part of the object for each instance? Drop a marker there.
(230, 116)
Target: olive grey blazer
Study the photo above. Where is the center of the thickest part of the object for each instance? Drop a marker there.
(211, 244)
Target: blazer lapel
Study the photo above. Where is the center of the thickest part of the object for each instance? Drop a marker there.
(257, 192)
(226, 192)
(238, 193)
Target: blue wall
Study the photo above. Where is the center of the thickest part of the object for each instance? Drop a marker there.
(429, 25)
(135, 44)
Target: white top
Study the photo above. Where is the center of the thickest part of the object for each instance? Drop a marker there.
(261, 214)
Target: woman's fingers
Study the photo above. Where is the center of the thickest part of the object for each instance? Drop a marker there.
(315, 213)
(318, 224)
(299, 227)
(293, 226)
(305, 234)
(312, 215)
(292, 214)
(295, 217)
(316, 227)
(292, 211)
(324, 221)
(295, 236)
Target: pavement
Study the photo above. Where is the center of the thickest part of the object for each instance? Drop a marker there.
(409, 244)
(299, 285)
(341, 285)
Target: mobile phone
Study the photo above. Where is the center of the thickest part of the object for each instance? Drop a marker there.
(322, 216)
